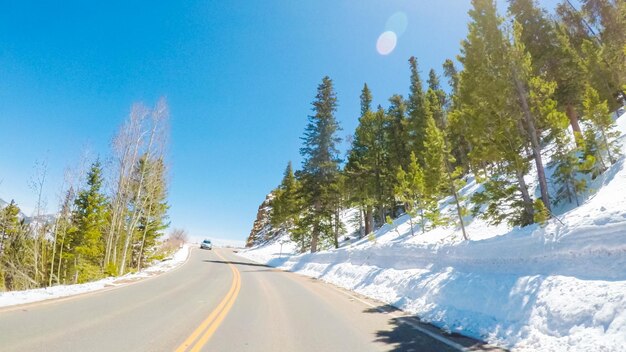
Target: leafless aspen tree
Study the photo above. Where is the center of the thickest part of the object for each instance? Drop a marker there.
(142, 136)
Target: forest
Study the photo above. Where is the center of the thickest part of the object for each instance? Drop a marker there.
(110, 217)
(530, 95)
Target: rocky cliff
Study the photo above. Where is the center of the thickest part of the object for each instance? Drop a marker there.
(262, 230)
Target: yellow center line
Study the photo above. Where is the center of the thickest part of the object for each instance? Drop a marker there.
(213, 321)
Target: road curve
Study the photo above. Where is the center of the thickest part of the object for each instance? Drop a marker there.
(219, 301)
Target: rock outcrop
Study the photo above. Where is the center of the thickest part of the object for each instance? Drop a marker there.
(262, 230)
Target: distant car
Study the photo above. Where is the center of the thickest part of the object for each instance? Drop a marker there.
(206, 244)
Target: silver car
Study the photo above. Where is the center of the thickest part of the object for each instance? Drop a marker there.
(206, 244)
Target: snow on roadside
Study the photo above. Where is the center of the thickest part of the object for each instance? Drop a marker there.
(561, 287)
(41, 294)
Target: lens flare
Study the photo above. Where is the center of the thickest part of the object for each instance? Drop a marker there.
(397, 23)
(386, 43)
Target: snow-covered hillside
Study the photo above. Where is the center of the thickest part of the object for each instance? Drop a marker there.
(561, 287)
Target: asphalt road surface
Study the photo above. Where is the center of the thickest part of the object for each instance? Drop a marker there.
(219, 301)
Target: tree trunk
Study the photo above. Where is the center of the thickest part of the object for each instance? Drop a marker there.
(314, 237)
(528, 203)
(315, 233)
(573, 120)
(369, 220)
(534, 142)
(452, 189)
(361, 222)
(336, 230)
(608, 148)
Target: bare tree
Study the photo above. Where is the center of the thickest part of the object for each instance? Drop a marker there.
(38, 224)
(62, 224)
(142, 136)
(179, 236)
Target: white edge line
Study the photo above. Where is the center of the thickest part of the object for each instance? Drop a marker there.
(404, 320)
(408, 322)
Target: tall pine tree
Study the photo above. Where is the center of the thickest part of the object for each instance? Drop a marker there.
(90, 215)
(320, 168)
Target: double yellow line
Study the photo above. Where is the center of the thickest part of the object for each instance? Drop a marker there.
(203, 333)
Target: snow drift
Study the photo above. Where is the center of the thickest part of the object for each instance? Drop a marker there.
(561, 287)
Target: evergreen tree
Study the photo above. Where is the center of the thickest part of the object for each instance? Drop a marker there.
(366, 100)
(537, 34)
(436, 100)
(608, 18)
(285, 207)
(368, 165)
(541, 212)
(11, 247)
(488, 102)
(360, 188)
(321, 164)
(411, 190)
(456, 125)
(567, 168)
(64, 226)
(593, 162)
(87, 247)
(152, 205)
(434, 156)
(434, 170)
(396, 132)
(600, 122)
(552, 55)
(537, 108)
(417, 111)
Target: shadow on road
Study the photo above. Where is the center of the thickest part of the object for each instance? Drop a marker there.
(405, 337)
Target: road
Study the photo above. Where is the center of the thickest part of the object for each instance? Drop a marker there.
(219, 301)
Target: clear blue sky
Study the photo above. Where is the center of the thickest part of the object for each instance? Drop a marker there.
(239, 77)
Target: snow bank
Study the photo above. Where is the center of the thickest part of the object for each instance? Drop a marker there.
(28, 296)
(561, 287)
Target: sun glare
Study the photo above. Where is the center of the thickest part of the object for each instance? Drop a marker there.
(386, 43)
(397, 23)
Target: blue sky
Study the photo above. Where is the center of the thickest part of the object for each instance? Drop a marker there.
(239, 77)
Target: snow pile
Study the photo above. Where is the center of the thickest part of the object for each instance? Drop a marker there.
(40, 294)
(561, 287)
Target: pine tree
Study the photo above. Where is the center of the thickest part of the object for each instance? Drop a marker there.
(321, 164)
(87, 246)
(552, 55)
(601, 124)
(285, 207)
(488, 104)
(411, 190)
(10, 245)
(366, 100)
(567, 169)
(359, 185)
(456, 125)
(434, 170)
(436, 98)
(537, 108)
(606, 50)
(396, 130)
(537, 34)
(541, 212)
(64, 226)
(434, 158)
(153, 207)
(417, 111)
(593, 162)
